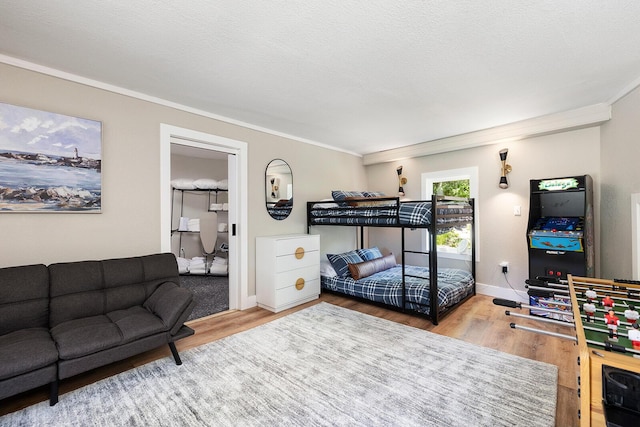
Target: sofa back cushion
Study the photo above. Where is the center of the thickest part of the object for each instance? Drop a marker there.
(89, 288)
(24, 298)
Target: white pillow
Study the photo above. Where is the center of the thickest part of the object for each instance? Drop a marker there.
(206, 184)
(183, 184)
(327, 270)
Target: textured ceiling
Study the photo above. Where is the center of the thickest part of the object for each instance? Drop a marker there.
(361, 75)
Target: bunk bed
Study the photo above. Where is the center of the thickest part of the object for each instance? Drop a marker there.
(366, 275)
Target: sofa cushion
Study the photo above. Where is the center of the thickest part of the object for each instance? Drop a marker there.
(25, 351)
(136, 322)
(77, 338)
(24, 298)
(169, 303)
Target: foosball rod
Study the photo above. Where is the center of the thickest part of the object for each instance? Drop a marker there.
(542, 288)
(616, 295)
(541, 319)
(617, 286)
(602, 331)
(516, 304)
(608, 346)
(602, 319)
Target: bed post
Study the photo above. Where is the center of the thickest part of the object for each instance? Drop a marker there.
(473, 243)
(404, 280)
(433, 262)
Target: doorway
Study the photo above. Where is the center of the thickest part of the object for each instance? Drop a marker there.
(236, 152)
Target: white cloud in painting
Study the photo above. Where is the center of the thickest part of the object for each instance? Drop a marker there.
(47, 124)
(65, 125)
(37, 139)
(28, 124)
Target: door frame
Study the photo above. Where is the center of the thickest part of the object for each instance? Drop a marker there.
(238, 259)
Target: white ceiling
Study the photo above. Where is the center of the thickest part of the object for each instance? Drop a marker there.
(360, 75)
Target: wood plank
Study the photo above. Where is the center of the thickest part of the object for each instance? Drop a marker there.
(477, 321)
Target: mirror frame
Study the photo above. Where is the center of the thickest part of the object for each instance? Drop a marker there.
(278, 208)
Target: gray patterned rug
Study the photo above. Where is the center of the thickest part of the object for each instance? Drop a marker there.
(321, 366)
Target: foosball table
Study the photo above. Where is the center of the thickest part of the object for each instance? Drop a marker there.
(604, 316)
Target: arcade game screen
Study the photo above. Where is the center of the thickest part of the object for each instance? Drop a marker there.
(559, 223)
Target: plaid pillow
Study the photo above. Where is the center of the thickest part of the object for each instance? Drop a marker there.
(374, 194)
(340, 262)
(339, 195)
(369, 254)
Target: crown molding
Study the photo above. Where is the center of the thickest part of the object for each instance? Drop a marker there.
(593, 115)
(148, 98)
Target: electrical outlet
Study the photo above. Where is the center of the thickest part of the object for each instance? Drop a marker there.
(505, 266)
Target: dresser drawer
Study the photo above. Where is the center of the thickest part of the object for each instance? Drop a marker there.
(289, 278)
(304, 244)
(291, 294)
(292, 262)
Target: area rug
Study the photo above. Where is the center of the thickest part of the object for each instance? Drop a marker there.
(211, 294)
(321, 366)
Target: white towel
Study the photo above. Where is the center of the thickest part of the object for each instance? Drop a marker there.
(199, 270)
(215, 207)
(219, 260)
(194, 224)
(184, 224)
(218, 269)
(183, 265)
(223, 184)
(222, 227)
(225, 206)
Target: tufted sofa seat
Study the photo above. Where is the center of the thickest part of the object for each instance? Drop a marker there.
(68, 318)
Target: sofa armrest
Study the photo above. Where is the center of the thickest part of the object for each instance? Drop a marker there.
(172, 304)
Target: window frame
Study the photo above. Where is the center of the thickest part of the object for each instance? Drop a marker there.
(429, 178)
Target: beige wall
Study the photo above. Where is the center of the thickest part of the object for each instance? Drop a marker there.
(130, 220)
(620, 156)
(502, 235)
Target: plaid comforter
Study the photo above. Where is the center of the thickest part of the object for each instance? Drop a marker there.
(386, 287)
(408, 213)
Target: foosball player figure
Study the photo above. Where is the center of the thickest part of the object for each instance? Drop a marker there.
(634, 336)
(608, 302)
(612, 322)
(631, 315)
(591, 295)
(590, 310)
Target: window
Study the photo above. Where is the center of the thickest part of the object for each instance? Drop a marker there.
(453, 182)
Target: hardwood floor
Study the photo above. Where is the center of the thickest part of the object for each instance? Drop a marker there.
(477, 321)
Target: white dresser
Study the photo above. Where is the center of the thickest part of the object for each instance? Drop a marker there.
(287, 270)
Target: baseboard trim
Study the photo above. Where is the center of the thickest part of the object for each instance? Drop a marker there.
(500, 292)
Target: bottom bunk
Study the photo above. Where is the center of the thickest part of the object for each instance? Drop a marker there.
(384, 284)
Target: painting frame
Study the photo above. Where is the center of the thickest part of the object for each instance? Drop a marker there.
(49, 162)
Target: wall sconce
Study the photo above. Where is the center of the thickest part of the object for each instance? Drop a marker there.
(401, 181)
(505, 169)
(275, 187)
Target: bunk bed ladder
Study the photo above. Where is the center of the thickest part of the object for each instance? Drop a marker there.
(432, 260)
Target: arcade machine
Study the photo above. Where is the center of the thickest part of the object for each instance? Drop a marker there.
(559, 237)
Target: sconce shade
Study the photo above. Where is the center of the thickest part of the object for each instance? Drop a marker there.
(504, 169)
(401, 181)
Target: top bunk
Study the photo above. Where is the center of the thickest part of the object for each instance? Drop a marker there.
(373, 209)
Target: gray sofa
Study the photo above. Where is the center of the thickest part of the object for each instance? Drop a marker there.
(68, 318)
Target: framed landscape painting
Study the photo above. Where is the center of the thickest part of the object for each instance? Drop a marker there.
(49, 162)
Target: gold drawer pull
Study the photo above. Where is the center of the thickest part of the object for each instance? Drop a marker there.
(299, 253)
(300, 284)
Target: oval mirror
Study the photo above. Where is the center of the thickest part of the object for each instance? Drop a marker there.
(279, 189)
